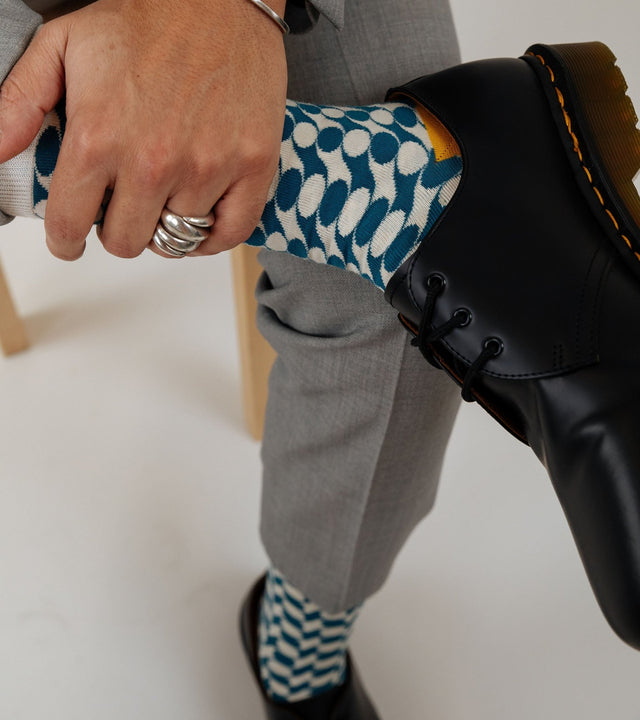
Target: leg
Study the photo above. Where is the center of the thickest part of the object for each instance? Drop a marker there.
(335, 513)
(324, 324)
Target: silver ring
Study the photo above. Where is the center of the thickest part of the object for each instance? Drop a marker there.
(203, 222)
(181, 229)
(185, 246)
(167, 249)
(178, 235)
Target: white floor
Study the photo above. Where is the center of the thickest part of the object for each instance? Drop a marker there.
(129, 494)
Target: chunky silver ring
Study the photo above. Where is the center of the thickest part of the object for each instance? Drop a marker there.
(177, 235)
(180, 228)
(167, 249)
(185, 246)
(203, 222)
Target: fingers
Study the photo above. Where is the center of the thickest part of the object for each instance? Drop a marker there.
(77, 190)
(145, 187)
(237, 214)
(31, 90)
(141, 189)
(132, 215)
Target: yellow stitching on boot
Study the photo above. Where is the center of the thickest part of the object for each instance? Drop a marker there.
(549, 70)
(567, 117)
(576, 147)
(613, 220)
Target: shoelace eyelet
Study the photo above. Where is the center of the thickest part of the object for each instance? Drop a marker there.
(491, 348)
(436, 283)
(494, 344)
(463, 316)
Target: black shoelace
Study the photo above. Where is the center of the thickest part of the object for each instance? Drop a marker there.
(427, 335)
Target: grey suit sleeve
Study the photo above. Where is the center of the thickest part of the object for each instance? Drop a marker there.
(17, 25)
(302, 15)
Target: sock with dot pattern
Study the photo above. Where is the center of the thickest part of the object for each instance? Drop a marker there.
(356, 187)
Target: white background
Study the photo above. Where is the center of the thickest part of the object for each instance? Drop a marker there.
(129, 495)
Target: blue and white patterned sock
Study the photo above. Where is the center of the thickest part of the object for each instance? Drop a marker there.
(301, 649)
(357, 187)
(25, 179)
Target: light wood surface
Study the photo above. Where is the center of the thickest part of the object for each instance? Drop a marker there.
(256, 355)
(13, 337)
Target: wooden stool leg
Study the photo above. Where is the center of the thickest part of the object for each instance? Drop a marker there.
(13, 337)
(256, 355)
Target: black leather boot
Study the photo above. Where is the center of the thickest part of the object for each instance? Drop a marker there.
(527, 290)
(345, 702)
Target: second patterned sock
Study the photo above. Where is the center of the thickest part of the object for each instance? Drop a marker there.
(302, 649)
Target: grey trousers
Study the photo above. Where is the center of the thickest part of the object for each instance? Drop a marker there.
(357, 421)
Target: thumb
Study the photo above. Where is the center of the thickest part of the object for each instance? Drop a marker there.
(31, 90)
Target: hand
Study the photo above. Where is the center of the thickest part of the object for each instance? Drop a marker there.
(176, 103)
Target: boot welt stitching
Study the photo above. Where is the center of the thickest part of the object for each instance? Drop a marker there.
(576, 145)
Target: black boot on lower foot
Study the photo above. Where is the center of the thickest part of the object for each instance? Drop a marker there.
(348, 701)
(527, 290)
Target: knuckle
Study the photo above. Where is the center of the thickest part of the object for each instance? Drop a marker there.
(258, 156)
(119, 246)
(152, 166)
(202, 169)
(88, 145)
(59, 231)
(62, 245)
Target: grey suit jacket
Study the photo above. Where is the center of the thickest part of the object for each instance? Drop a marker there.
(302, 15)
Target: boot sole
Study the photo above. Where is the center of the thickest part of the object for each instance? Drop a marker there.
(596, 119)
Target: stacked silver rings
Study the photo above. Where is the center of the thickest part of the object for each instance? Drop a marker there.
(178, 235)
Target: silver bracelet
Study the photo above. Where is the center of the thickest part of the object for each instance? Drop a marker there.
(273, 15)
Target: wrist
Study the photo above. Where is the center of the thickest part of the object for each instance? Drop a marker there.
(278, 6)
